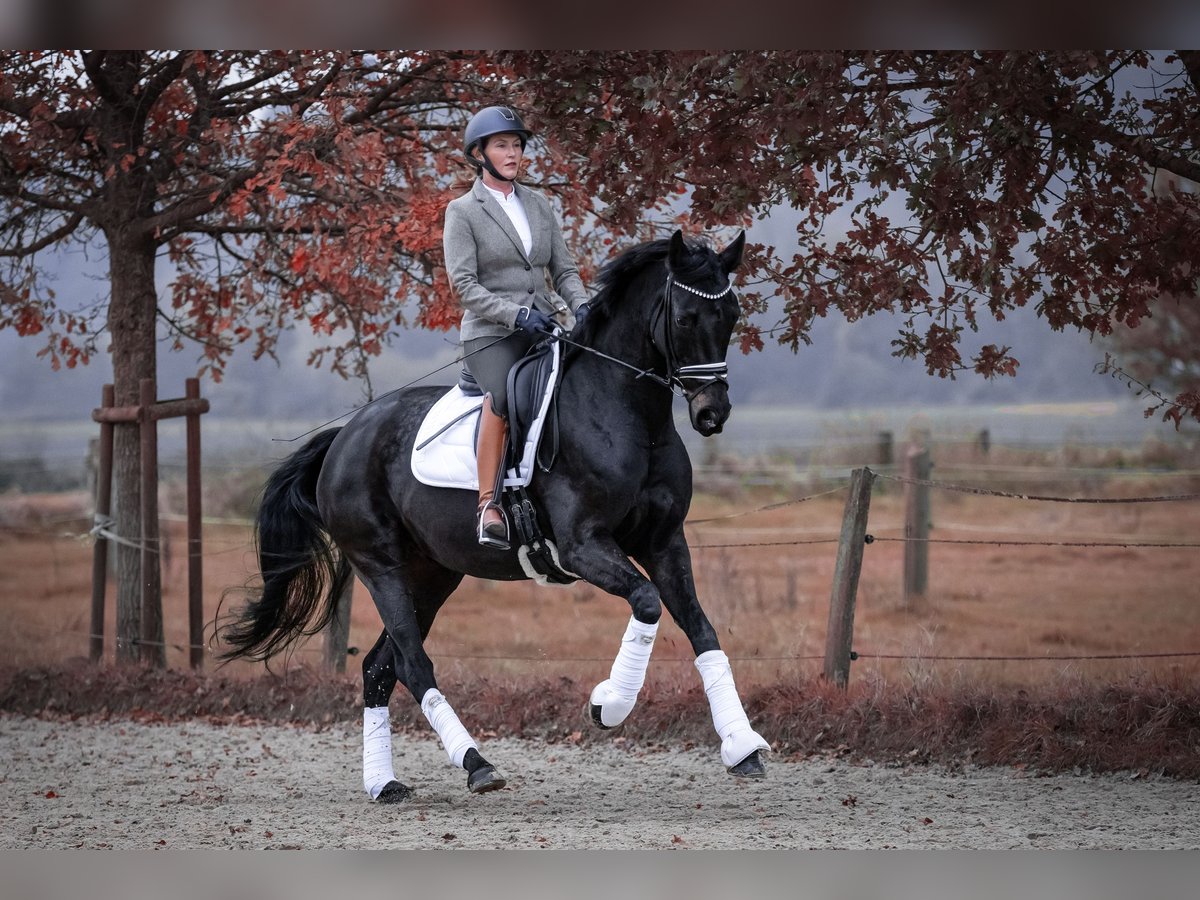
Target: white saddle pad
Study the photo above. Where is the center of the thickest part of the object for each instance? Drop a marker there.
(444, 451)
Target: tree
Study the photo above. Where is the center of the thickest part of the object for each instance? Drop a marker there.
(284, 187)
(972, 183)
(1162, 353)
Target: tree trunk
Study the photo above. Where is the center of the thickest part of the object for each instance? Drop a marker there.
(132, 316)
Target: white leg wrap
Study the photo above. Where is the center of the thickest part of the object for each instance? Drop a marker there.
(617, 694)
(377, 750)
(445, 722)
(738, 739)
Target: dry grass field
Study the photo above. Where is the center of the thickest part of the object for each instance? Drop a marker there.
(769, 601)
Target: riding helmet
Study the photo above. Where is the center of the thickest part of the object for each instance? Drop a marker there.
(494, 120)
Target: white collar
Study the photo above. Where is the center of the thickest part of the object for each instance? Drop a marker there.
(500, 195)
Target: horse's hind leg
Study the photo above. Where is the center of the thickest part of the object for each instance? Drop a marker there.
(408, 596)
(379, 678)
(379, 670)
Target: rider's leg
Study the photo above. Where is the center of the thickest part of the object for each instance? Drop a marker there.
(489, 360)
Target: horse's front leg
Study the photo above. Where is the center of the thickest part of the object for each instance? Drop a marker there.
(741, 746)
(599, 561)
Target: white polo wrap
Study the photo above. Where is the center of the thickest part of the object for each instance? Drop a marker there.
(738, 739)
(617, 694)
(445, 722)
(377, 750)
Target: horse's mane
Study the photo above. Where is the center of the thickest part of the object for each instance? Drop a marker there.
(621, 271)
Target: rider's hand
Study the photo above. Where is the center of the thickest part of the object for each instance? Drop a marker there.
(581, 313)
(534, 321)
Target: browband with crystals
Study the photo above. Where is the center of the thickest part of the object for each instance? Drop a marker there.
(704, 294)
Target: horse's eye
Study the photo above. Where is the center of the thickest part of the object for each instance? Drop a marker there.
(683, 321)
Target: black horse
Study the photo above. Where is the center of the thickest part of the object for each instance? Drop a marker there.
(619, 489)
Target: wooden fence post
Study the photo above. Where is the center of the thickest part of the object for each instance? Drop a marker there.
(100, 549)
(194, 535)
(917, 465)
(883, 451)
(152, 649)
(337, 634)
(147, 645)
(840, 633)
(984, 441)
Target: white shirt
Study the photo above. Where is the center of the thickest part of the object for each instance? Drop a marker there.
(512, 206)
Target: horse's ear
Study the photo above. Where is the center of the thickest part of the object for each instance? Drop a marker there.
(677, 252)
(731, 256)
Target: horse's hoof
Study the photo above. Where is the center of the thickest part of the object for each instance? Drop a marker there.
(594, 711)
(485, 779)
(394, 792)
(753, 766)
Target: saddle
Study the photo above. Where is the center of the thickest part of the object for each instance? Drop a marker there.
(444, 449)
(532, 400)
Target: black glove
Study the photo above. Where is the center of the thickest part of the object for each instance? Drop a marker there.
(581, 313)
(534, 321)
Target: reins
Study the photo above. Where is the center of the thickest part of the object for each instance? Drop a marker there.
(642, 373)
(706, 373)
(350, 412)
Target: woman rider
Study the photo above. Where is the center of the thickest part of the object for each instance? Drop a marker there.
(501, 241)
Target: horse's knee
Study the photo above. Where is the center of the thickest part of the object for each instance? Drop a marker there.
(645, 603)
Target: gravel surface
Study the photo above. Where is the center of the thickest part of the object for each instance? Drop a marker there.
(125, 784)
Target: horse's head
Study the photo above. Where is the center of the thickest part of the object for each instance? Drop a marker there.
(699, 313)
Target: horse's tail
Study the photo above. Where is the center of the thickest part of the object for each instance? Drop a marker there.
(297, 560)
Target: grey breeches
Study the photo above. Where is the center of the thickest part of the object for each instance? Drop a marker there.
(490, 367)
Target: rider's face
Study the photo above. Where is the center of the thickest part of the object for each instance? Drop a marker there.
(505, 152)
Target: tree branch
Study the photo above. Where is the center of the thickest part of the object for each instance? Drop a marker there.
(195, 207)
(154, 88)
(1146, 150)
(1191, 63)
(93, 64)
(53, 237)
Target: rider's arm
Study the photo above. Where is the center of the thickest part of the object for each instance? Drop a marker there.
(462, 268)
(563, 271)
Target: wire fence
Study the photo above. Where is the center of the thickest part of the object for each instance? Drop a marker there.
(105, 528)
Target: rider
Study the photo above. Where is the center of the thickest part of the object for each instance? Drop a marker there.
(501, 241)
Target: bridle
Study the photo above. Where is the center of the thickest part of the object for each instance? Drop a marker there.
(701, 375)
(706, 374)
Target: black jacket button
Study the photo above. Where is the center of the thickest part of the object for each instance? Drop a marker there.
(527, 268)
(531, 290)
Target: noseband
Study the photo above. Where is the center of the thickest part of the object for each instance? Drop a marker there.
(702, 376)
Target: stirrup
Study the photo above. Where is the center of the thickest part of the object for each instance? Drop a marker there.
(486, 538)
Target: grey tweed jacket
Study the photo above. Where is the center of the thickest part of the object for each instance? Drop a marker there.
(486, 263)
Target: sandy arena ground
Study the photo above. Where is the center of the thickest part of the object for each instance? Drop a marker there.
(80, 784)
